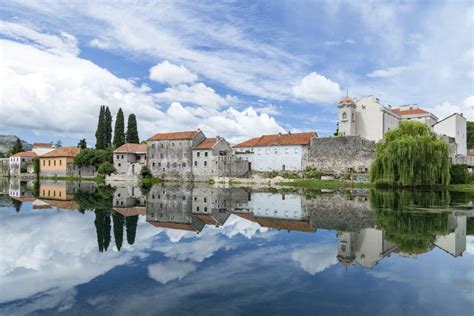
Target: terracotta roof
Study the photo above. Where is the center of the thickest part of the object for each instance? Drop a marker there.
(62, 152)
(173, 225)
(25, 198)
(174, 136)
(410, 112)
(207, 143)
(346, 100)
(247, 216)
(131, 211)
(65, 205)
(277, 223)
(41, 207)
(25, 154)
(470, 152)
(279, 140)
(131, 148)
(207, 219)
(42, 145)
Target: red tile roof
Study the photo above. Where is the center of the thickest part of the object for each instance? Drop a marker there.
(277, 223)
(63, 152)
(62, 204)
(346, 100)
(25, 154)
(25, 198)
(279, 140)
(247, 216)
(207, 219)
(409, 112)
(42, 145)
(131, 211)
(173, 225)
(174, 136)
(131, 148)
(207, 143)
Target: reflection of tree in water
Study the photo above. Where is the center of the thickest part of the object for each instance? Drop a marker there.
(16, 204)
(101, 202)
(405, 224)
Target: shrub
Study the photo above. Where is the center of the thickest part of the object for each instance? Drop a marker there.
(106, 168)
(93, 157)
(145, 172)
(459, 174)
(289, 175)
(311, 173)
(272, 174)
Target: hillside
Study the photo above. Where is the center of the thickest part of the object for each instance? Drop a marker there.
(7, 141)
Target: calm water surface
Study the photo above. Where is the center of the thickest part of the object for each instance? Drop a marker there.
(78, 248)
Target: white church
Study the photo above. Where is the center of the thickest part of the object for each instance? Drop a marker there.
(370, 119)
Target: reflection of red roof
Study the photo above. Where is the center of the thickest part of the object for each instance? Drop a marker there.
(63, 152)
(277, 223)
(173, 225)
(131, 211)
(131, 148)
(66, 205)
(41, 207)
(42, 145)
(208, 143)
(247, 216)
(279, 140)
(470, 152)
(410, 111)
(174, 136)
(25, 154)
(207, 219)
(24, 198)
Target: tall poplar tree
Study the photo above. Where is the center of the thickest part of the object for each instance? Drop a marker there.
(100, 132)
(17, 147)
(119, 220)
(119, 131)
(132, 130)
(108, 128)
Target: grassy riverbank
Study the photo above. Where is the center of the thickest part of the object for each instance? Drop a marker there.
(97, 179)
(324, 184)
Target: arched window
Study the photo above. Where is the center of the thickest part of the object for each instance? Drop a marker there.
(344, 116)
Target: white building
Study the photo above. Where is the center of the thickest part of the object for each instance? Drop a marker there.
(22, 162)
(454, 243)
(279, 152)
(454, 126)
(370, 119)
(129, 159)
(42, 148)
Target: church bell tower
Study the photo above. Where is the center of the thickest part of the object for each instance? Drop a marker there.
(347, 117)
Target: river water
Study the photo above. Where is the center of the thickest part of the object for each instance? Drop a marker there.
(176, 249)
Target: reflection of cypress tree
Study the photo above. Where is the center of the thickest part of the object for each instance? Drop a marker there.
(404, 224)
(118, 229)
(131, 223)
(17, 205)
(102, 226)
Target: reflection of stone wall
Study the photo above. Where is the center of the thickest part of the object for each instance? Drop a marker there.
(339, 212)
(340, 154)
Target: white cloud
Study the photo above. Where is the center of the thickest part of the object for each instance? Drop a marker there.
(469, 102)
(317, 88)
(165, 272)
(389, 72)
(470, 245)
(315, 258)
(198, 93)
(169, 73)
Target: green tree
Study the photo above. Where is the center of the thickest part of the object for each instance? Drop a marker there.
(17, 147)
(58, 143)
(108, 127)
(106, 168)
(132, 130)
(93, 157)
(118, 229)
(103, 227)
(82, 144)
(131, 225)
(119, 131)
(470, 135)
(100, 132)
(411, 155)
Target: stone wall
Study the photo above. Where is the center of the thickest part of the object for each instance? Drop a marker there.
(340, 154)
(4, 166)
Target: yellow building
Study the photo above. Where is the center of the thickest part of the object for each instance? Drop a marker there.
(59, 162)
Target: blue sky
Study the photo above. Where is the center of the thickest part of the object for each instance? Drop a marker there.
(234, 69)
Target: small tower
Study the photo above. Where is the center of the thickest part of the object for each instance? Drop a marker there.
(347, 117)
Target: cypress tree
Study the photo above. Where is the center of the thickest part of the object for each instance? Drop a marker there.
(82, 144)
(131, 224)
(100, 132)
(108, 128)
(118, 229)
(119, 131)
(132, 130)
(17, 147)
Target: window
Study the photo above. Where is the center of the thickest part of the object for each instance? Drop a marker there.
(174, 165)
(198, 154)
(296, 150)
(205, 209)
(159, 164)
(172, 144)
(44, 163)
(205, 163)
(153, 164)
(162, 146)
(60, 162)
(54, 162)
(195, 164)
(152, 146)
(287, 151)
(49, 163)
(184, 165)
(197, 208)
(161, 156)
(344, 116)
(119, 164)
(267, 150)
(205, 154)
(205, 200)
(122, 156)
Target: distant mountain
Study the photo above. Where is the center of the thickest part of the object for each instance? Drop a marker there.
(7, 141)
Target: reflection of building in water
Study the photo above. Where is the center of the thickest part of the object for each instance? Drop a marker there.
(129, 201)
(60, 194)
(187, 208)
(21, 190)
(455, 242)
(366, 247)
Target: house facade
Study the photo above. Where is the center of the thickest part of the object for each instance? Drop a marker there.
(454, 126)
(60, 162)
(129, 159)
(170, 155)
(22, 162)
(278, 152)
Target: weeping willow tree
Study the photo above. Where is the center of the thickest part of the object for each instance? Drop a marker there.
(411, 155)
(413, 230)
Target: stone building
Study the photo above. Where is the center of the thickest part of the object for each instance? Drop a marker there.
(60, 162)
(128, 200)
(170, 155)
(22, 163)
(129, 159)
(279, 152)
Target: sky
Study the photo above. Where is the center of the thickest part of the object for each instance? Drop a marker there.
(236, 69)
